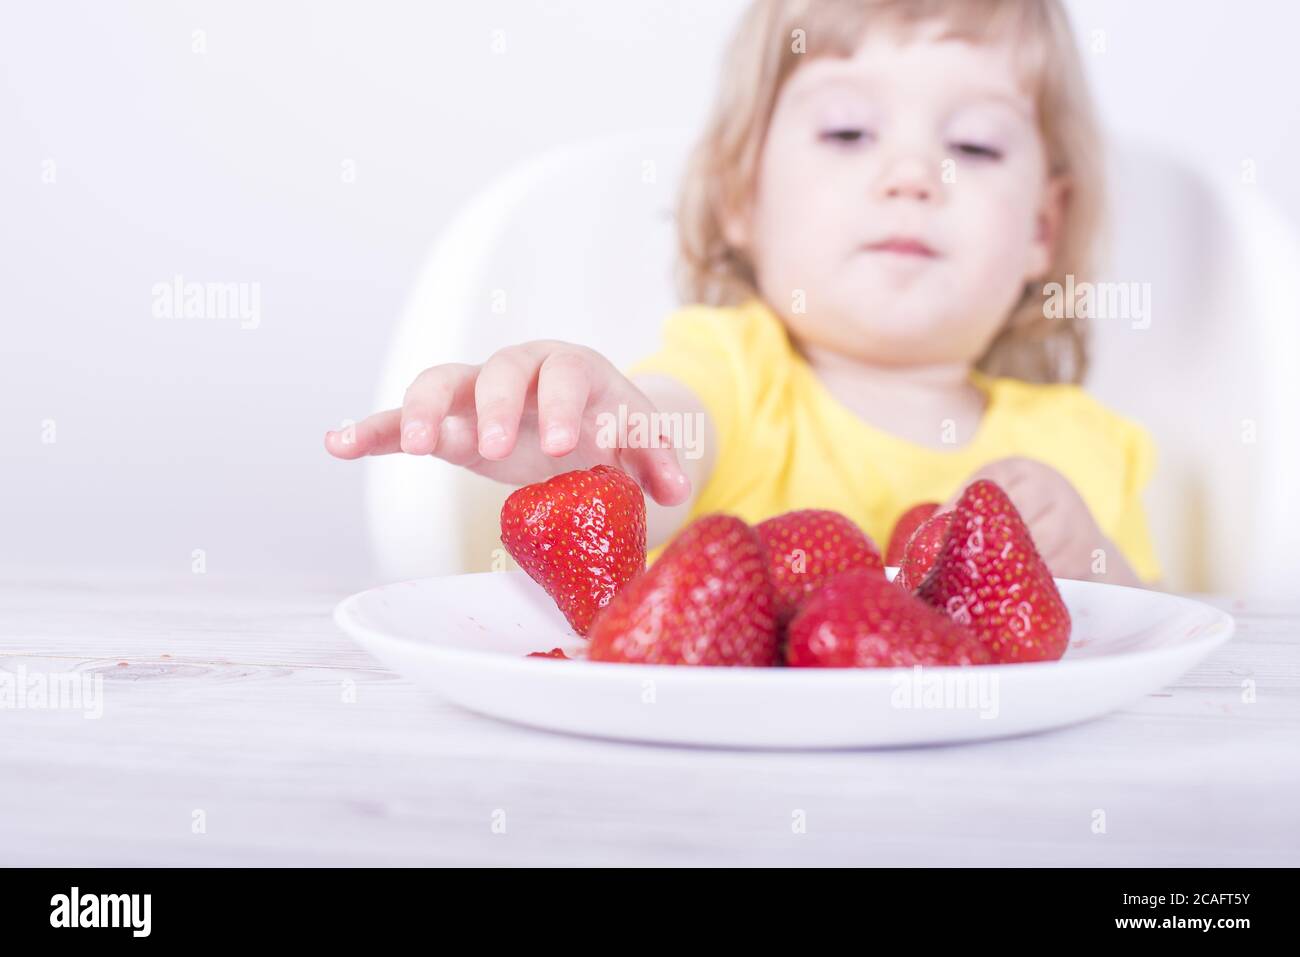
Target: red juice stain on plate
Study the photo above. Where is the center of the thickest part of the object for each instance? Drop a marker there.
(553, 653)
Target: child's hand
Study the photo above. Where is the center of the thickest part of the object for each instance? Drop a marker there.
(514, 416)
(1062, 526)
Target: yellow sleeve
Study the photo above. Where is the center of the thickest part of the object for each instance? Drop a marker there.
(705, 350)
(698, 351)
(1130, 533)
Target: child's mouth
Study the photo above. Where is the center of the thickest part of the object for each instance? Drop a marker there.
(902, 245)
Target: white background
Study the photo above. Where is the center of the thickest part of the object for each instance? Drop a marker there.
(173, 435)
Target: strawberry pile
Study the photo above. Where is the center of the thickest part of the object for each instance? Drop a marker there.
(803, 589)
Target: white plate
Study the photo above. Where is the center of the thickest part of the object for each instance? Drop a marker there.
(466, 637)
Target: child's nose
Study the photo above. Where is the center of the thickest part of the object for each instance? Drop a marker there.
(908, 179)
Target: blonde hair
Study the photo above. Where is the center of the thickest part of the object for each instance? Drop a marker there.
(721, 172)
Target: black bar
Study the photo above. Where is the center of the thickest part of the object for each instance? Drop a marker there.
(332, 906)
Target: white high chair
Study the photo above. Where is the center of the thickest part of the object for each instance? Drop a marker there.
(578, 244)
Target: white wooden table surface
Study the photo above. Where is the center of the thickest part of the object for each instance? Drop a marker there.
(228, 698)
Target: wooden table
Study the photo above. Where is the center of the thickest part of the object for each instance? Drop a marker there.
(240, 726)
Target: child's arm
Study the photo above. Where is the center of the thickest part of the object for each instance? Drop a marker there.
(531, 411)
(1062, 525)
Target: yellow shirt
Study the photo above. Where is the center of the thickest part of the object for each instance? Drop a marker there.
(785, 442)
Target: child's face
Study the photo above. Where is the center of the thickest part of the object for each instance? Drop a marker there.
(904, 190)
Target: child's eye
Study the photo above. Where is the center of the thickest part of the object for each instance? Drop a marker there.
(977, 151)
(847, 135)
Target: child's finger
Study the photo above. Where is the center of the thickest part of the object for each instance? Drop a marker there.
(435, 394)
(1055, 546)
(1034, 512)
(374, 435)
(1002, 471)
(499, 394)
(658, 473)
(563, 385)
(458, 442)
(657, 469)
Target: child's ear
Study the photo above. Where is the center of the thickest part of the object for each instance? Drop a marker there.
(1047, 230)
(735, 222)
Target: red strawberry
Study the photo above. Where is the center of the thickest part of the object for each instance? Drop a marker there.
(808, 548)
(705, 601)
(922, 549)
(860, 620)
(580, 535)
(990, 578)
(908, 523)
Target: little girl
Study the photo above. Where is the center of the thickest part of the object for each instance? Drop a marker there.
(867, 226)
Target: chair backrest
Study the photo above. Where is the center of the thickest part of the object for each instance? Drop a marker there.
(1211, 371)
(578, 244)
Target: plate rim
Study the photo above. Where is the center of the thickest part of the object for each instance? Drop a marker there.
(1217, 632)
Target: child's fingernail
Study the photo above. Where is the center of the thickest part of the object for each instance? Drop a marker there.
(492, 434)
(557, 437)
(415, 432)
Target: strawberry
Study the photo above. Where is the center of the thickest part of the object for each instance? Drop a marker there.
(922, 549)
(580, 535)
(808, 548)
(907, 523)
(860, 620)
(705, 601)
(990, 578)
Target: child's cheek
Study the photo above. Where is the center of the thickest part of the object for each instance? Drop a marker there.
(994, 231)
